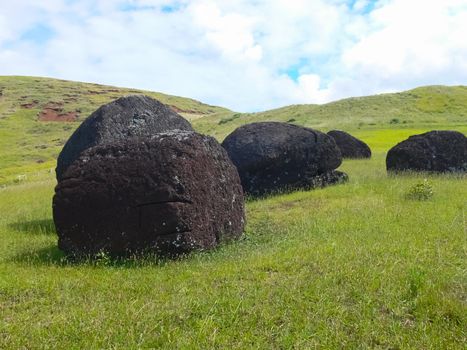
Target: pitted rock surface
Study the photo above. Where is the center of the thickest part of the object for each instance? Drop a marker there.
(350, 146)
(434, 151)
(272, 156)
(126, 117)
(171, 194)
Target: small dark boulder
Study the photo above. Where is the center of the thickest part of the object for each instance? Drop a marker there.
(434, 151)
(331, 177)
(350, 146)
(130, 116)
(170, 194)
(272, 156)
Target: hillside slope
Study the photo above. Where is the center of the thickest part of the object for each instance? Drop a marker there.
(80, 99)
(37, 115)
(429, 106)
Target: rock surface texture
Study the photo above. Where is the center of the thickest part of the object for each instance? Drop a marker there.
(126, 117)
(274, 156)
(172, 193)
(350, 146)
(434, 151)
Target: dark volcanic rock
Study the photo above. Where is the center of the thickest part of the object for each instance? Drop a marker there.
(331, 177)
(350, 146)
(172, 193)
(435, 151)
(130, 116)
(275, 156)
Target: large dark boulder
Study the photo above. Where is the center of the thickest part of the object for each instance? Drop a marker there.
(274, 156)
(130, 116)
(172, 193)
(350, 146)
(434, 151)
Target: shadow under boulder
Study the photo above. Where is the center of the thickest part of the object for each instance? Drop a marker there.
(172, 193)
(126, 117)
(350, 146)
(272, 157)
(434, 151)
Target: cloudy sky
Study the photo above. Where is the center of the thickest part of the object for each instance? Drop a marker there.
(245, 55)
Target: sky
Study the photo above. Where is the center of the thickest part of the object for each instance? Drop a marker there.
(245, 55)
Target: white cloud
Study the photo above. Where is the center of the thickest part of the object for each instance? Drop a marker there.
(311, 90)
(238, 53)
(412, 43)
(231, 33)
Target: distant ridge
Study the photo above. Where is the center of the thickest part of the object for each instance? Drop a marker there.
(429, 105)
(80, 99)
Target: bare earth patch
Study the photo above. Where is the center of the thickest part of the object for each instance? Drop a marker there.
(50, 115)
(53, 112)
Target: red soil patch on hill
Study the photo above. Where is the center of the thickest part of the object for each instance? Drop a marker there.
(53, 112)
(50, 115)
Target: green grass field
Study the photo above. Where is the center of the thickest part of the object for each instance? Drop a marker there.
(352, 266)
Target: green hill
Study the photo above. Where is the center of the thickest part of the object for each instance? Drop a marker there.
(431, 106)
(37, 115)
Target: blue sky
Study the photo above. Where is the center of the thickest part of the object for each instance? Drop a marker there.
(245, 55)
(38, 34)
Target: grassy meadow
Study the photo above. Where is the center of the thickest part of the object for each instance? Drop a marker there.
(353, 266)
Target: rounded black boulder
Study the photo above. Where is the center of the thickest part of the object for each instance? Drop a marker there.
(170, 194)
(434, 151)
(273, 156)
(130, 116)
(350, 146)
